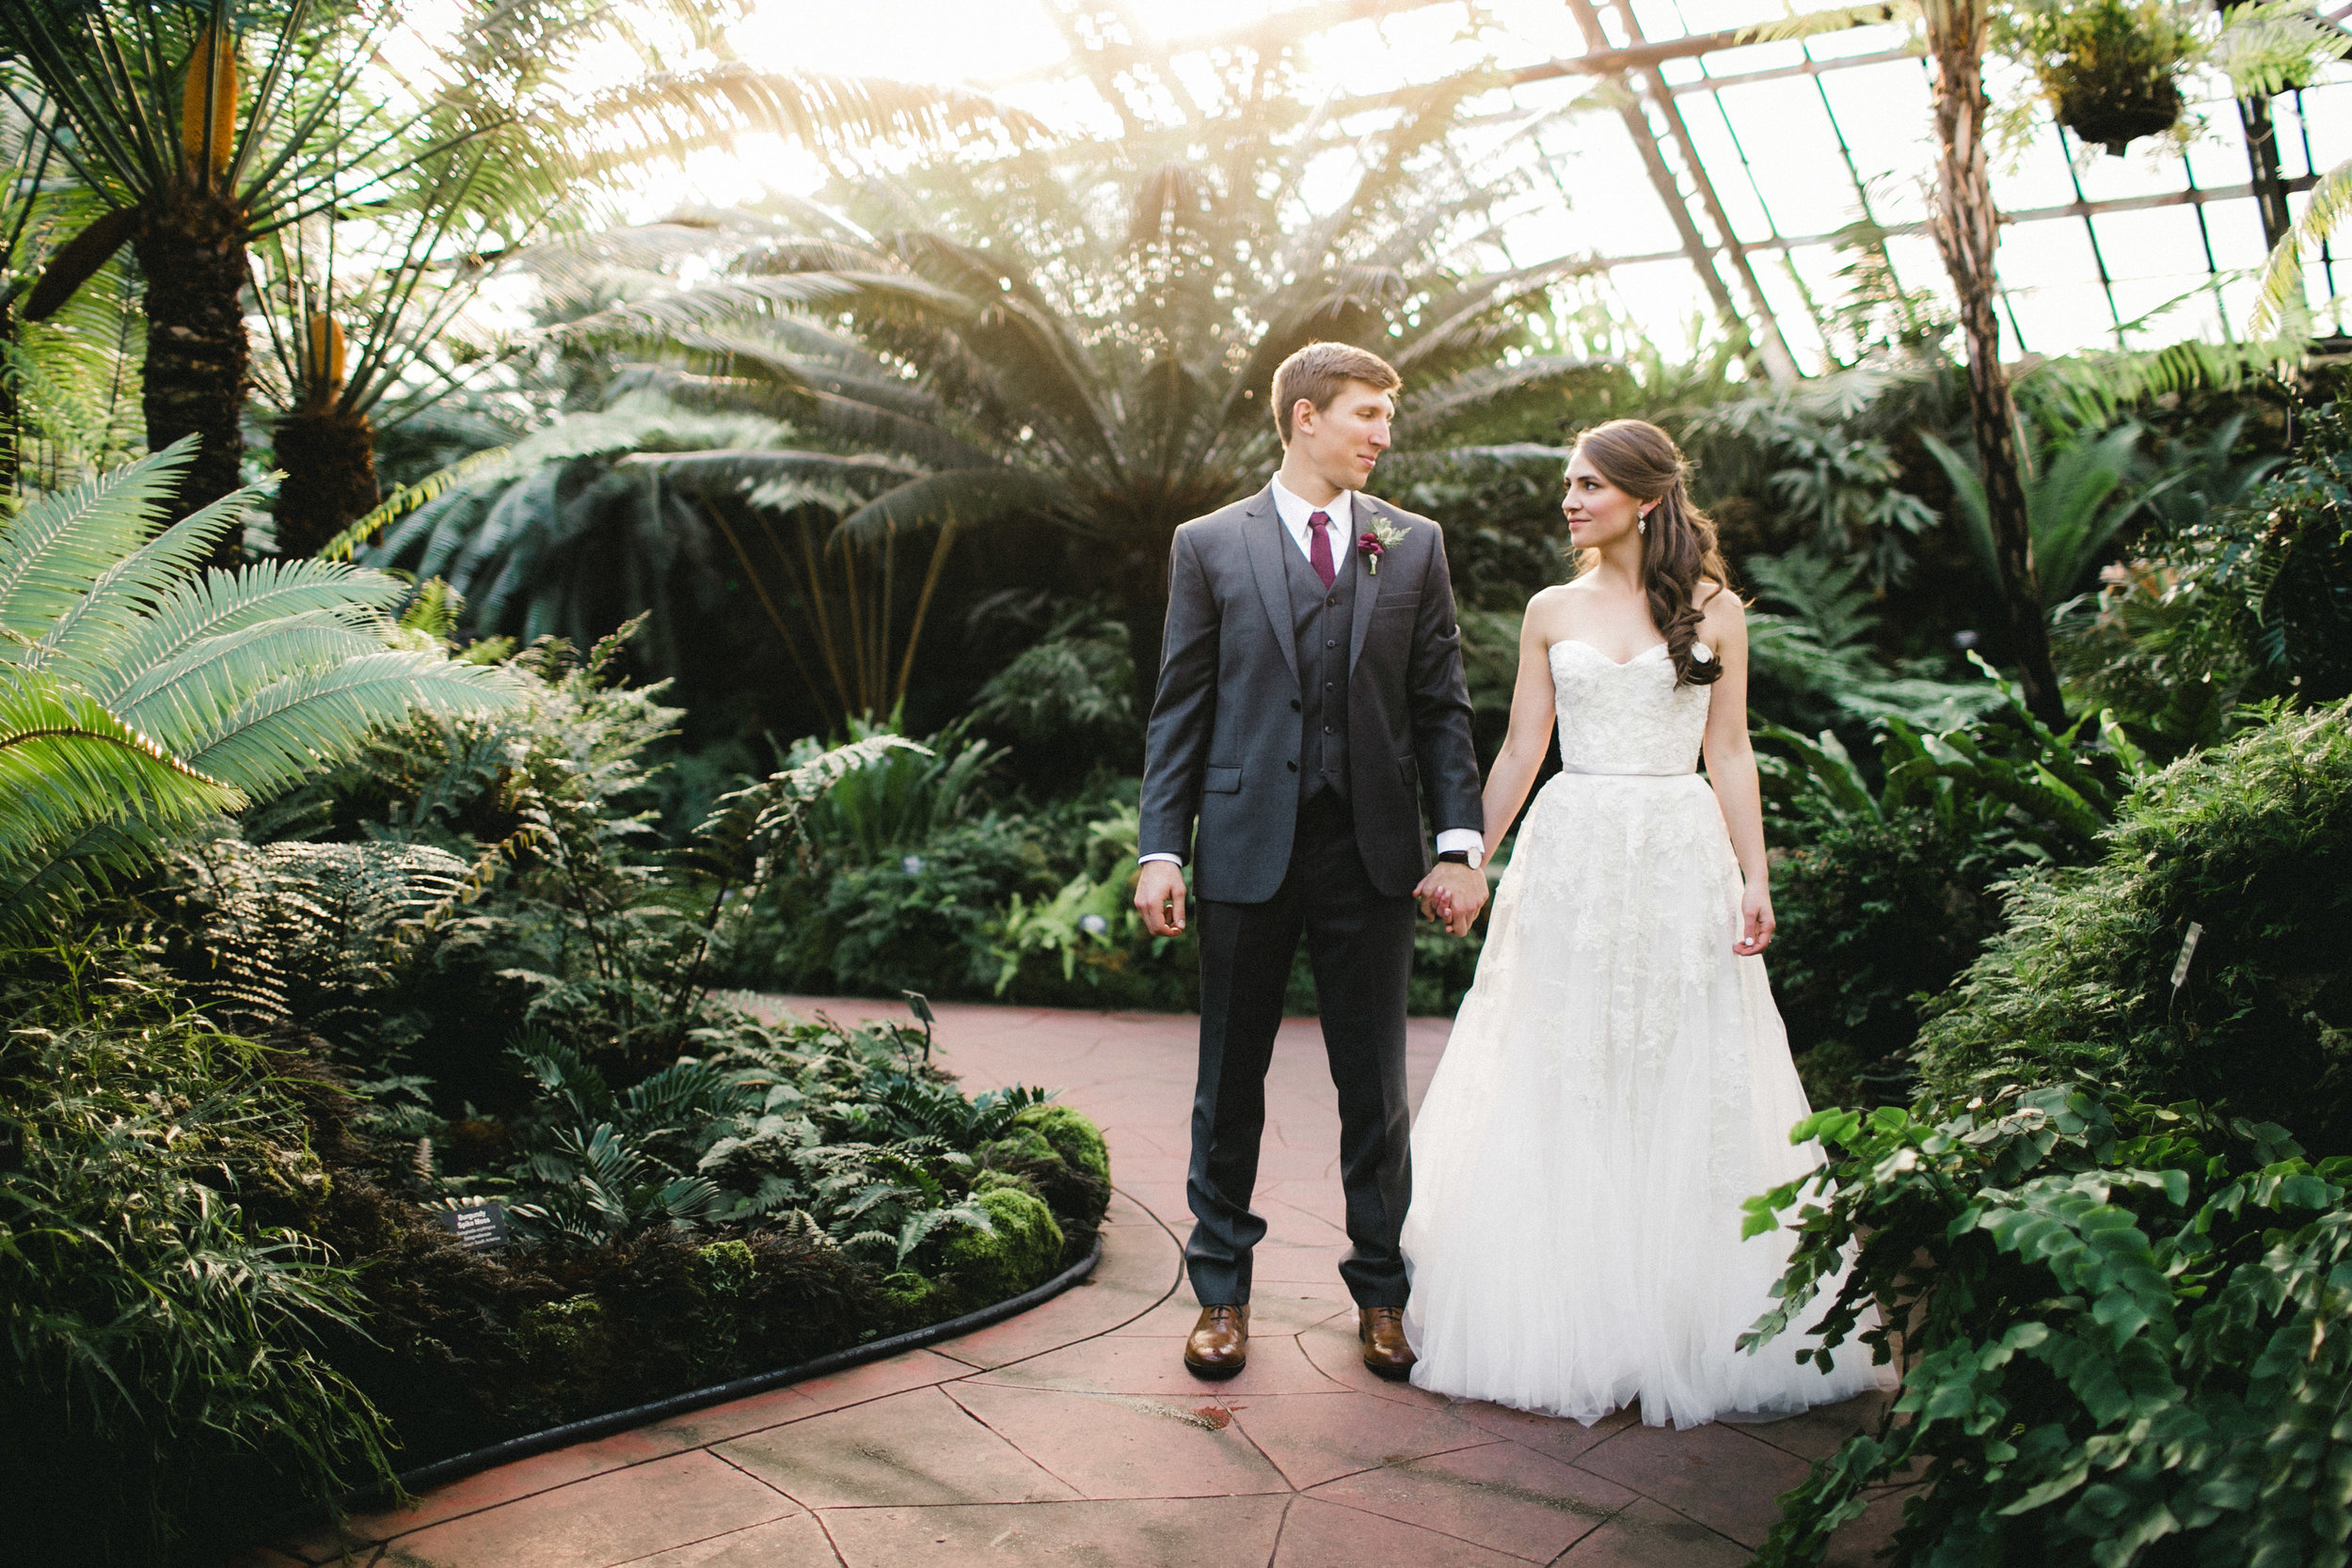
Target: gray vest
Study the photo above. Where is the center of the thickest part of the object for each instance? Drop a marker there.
(1320, 621)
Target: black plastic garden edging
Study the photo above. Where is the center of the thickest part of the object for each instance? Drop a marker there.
(758, 1382)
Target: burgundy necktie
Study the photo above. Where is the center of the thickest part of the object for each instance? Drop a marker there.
(1319, 552)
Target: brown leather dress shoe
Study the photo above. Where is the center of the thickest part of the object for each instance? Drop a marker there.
(1382, 1331)
(1218, 1345)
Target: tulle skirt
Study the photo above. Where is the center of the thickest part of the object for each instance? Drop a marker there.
(1618, 1084)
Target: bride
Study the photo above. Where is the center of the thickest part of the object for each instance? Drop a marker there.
(1618, 1080)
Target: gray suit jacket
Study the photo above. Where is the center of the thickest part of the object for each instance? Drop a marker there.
(1224, 738)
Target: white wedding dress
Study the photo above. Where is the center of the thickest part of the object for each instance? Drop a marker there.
(1618, 1084)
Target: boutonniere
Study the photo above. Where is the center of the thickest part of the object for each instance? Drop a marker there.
(1375, 543)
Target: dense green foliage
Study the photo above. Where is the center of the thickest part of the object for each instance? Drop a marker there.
(166, 1310)
(1886, 894)
(785, 1192)
(2118, 1325)
(139, 696)
(2252, 842)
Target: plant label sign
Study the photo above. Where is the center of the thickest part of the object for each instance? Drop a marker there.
(482, 1227)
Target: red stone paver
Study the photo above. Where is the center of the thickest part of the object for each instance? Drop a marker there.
(1072, 1435)
(616, 1517)
(1497, 1494)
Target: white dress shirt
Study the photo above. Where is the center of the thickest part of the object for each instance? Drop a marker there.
(1294, 513)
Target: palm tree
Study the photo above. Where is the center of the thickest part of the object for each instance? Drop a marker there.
(1086, 334)
(139, 694)
(1966, 225)
(196, 158)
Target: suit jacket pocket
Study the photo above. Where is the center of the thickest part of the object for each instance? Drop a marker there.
(1222, 779)
(1408, 604)
(1408, 768)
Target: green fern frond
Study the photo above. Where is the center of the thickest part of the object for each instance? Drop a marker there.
(177, 700)
(301, 722)
(406, 499)
(223, 602)
(54, 552)
(2279, 298)
(69, 766)
(116, 605)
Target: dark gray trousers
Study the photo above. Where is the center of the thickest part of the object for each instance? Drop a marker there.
(1360, 946)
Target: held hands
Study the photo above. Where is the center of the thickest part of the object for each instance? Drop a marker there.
(1160, 897)
(1453, 895)
(1756, 921)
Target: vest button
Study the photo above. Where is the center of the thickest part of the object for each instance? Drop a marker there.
(1293, 705)
(1331, 645)
(1294, 765)
(1327, 728)
(1333, 600)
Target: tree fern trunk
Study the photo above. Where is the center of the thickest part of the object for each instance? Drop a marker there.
(191, 249)
(1967, 231)
(1141, 590)
(328, 456)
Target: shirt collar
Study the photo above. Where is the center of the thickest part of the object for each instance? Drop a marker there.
(1294, 513)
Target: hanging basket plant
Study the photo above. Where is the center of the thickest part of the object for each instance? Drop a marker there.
(2110, 69)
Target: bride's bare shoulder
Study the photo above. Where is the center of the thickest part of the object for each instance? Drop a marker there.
(1721, 612)
(1549, 610)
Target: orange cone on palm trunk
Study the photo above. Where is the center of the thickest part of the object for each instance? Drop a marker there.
(208, 107)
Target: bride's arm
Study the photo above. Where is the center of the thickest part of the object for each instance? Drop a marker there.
(1731, 767)
(1531, 718)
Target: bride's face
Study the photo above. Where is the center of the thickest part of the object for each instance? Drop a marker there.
(1597, 512)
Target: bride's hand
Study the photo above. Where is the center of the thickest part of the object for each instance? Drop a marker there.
(1756, 921)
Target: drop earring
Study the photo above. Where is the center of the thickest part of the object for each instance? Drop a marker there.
(1640, 523)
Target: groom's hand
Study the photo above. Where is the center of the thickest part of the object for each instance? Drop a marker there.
(1453, 893)
(1160, 897)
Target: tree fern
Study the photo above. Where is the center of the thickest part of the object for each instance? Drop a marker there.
(137, 698)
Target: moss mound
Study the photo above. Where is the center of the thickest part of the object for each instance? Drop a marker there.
(2252, 844)
(1071, 1135)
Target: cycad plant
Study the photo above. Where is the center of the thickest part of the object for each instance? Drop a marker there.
(1086, 336)
(204, 127)
(139, 695)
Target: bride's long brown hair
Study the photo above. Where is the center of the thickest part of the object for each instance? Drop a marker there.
(1679, 546)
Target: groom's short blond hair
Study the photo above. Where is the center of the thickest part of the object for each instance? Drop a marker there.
(1319, 372)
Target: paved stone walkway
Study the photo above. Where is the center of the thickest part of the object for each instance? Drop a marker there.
(1074, 1435)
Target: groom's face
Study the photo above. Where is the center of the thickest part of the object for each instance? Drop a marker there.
(1344, 441)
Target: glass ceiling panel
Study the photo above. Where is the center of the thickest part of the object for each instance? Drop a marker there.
(1792, 156)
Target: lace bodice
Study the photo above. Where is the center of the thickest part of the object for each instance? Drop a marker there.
(1629, 718)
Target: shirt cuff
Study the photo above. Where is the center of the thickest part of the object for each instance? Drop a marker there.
(1464, 838)
(1163, 855)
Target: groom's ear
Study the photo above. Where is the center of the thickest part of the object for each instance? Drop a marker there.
(1303, 416)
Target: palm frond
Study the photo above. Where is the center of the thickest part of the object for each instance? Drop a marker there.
(2279, 304)
(68, 767)
(54, 552)
(301, 722)
(218, 604)
(962, 497)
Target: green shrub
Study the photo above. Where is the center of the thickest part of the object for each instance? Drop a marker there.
(1875, 914)
(2121, 1327)
(163, 1363)
(2234, 606)
(2251, 842)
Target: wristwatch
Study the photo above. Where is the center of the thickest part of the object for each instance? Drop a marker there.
(1460, 857)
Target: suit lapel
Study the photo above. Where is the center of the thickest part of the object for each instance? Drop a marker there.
(1368, 582)
(1264, 537)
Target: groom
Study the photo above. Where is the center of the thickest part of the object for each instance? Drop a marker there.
(1310, 689)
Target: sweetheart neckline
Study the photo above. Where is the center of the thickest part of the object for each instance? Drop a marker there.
(1612, 663)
